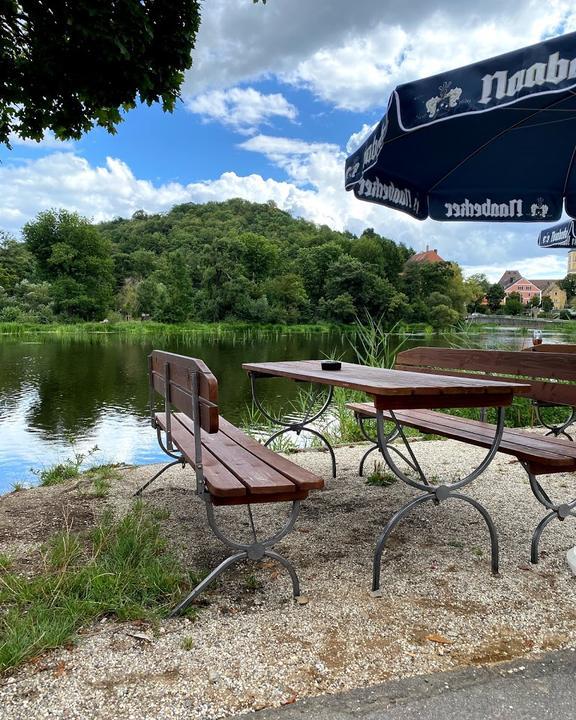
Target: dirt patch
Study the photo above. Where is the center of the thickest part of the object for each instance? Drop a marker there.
(30, 517)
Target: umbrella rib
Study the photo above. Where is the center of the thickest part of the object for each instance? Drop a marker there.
(488, 142)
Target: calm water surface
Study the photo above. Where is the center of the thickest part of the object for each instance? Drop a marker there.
(64, 395)
(59, 396)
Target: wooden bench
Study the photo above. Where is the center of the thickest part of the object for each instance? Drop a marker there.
(551, 378)
(230, 467)
(560, 427)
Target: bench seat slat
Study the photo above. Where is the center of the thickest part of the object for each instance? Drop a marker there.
(537, 450)
(257, 476)
(236, 471)
(301, 477)
(219, 480)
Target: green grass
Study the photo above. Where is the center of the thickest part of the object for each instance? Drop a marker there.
(101, 478)
(68, 469)
(121, 569)
(149, 327)
(5, 561)
(187, 643)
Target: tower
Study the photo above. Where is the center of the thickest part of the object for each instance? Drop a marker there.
(572, 262)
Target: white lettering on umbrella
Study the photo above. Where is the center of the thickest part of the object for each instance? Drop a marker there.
(385, 191)
(499, 85)
(487, 209)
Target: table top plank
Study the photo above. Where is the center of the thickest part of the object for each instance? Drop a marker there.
(383, 382)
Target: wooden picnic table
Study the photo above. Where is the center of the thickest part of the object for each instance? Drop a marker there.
(393, 390)
(396, 389)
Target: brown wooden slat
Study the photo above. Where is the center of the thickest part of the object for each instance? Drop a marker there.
(180, 368)
(546, 456)
(552, 392)
(301, 477)
(418, 402)
(380, 381)
(219, 480)
(535, 365)
(256, 475)
(552, 348)
(255, 499)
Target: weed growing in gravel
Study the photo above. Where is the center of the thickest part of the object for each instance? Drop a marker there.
(5, 561)
(18, 486)
(102, 477)
(252, 583)
(121, 569)
(380, 477)
(187, 643)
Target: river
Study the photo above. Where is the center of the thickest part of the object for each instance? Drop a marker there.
(62, 395)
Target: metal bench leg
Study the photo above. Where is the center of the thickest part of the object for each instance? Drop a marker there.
(246, 551)
(178, 461)
(149, 482)
(557, 511)
(556, 430)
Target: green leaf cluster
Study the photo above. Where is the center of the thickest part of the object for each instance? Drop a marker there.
(68, 66)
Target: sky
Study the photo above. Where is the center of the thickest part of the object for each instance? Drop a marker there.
(277, 96)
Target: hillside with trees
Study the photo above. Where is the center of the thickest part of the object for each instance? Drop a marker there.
(213, 262)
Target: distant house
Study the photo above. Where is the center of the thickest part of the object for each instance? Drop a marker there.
(551, 289)
(509, 277)
(428, 256)
(512, 281)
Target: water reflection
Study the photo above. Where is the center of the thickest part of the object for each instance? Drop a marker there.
(64, 395)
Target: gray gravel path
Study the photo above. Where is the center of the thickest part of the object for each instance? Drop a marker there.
(252, 648)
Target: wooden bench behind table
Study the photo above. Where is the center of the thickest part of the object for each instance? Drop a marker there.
(560, 427)
(231, 468)
(549, 376)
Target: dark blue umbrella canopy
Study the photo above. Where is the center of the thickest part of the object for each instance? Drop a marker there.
(562, 235)
(493, 141)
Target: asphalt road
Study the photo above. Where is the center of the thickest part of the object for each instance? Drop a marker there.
(539, 689)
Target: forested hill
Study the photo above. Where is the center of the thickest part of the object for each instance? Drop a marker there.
(231, 260)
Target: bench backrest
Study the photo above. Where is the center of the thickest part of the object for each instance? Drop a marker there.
(187, 384)
(541, 371)
(553, 348)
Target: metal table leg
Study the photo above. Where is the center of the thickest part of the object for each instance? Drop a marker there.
(559, 511)
(301, 425)
(433, 493)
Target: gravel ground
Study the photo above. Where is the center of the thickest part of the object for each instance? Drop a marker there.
(252, 647)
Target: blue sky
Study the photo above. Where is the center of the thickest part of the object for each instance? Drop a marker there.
(273, 101)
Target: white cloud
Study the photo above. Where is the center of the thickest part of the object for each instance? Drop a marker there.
(357, 138)
(350, 54)
(243, 109)
(544, 266)
(49, 142)
(313, 190)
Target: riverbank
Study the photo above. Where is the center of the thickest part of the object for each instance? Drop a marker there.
(250, 647)
(149, 327)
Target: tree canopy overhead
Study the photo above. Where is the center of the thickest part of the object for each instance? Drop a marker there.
(67, 65)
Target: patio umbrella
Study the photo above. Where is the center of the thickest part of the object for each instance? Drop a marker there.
(562, 235)
(491, 141)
